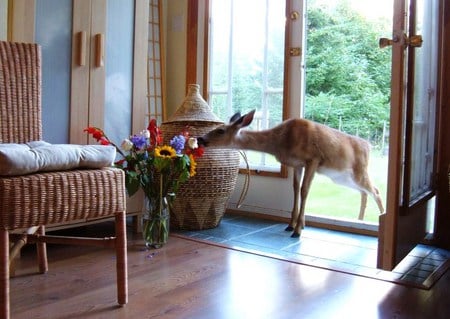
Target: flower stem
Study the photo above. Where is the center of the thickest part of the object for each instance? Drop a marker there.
(160, 194)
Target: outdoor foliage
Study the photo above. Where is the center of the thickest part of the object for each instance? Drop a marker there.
(347, 75)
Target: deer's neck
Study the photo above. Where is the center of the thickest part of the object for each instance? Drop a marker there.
(262, 141)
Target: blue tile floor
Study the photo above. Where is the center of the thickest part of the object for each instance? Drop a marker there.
(346, 252)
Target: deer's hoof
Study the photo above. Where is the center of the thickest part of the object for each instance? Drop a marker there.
(289, 228)
(295, 235)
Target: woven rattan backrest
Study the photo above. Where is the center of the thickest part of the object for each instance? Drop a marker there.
(20, 92)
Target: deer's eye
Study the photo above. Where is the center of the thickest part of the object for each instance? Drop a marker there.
(220, 131)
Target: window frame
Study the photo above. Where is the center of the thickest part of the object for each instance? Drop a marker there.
(197, 63)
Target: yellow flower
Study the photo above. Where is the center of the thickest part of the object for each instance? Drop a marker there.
(192, 166)
(165, 151)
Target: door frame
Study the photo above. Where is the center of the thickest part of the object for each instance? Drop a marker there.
(388, 221)
(442, 218)
(403, 224)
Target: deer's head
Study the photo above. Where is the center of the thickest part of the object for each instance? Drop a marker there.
(225, 135)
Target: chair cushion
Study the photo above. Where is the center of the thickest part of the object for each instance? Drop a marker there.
(40, 156)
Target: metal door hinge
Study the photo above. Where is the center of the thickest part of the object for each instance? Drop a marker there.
(414, 41)
(297, 51)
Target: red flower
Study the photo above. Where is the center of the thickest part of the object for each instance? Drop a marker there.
(197, 152)
(98, 134)
(185, 133)
(120, 162)
(103, 141)
(155, 133)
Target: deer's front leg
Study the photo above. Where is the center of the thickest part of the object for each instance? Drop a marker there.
(298, 172)
(310, 170)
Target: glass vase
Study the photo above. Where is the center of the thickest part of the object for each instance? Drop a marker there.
(155, 222)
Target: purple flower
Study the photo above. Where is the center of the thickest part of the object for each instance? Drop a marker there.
(177, 142)
(139, 141)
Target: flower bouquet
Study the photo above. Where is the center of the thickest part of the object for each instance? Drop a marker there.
(156, 168)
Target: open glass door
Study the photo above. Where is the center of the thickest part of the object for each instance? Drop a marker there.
(412, 136)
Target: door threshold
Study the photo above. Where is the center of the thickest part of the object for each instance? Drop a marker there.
(337, 224)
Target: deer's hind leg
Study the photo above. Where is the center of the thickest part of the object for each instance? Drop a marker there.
(377, 198)
(368, 188)
(298, 172)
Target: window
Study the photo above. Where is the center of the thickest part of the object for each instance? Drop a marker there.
(259, 52)
(155, 73)
(246, 65)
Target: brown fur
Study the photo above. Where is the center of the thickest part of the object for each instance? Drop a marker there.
(306, 146)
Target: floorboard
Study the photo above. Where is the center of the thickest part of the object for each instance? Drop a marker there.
(187, 279)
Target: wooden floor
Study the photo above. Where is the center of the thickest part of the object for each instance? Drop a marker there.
(187, 279)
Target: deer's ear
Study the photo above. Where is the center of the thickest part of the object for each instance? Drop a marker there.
(235, 117)
(242, 121)
(247, 118)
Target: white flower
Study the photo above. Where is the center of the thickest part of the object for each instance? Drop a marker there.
(192, 142)
(145, 133)
(126, 145)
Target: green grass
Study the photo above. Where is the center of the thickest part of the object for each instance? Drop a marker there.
(336, 201)
(331, 200)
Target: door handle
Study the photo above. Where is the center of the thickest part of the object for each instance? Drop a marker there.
(99, 50)
(385, 42)
(82, 48)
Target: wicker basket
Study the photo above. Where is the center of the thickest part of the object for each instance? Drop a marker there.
(201, 202)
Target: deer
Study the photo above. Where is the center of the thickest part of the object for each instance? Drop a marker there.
(308, 147)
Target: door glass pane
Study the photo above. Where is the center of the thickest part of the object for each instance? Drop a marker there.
(348, 88)
(247, 64)
(424, 104)
(54, 34)
(119, 69)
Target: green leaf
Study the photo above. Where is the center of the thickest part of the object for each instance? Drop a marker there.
(131, 183)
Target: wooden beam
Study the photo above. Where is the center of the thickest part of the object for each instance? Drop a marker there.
(191, 45)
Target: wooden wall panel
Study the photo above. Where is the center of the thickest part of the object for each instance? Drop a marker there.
(442, 231)
(21, 19)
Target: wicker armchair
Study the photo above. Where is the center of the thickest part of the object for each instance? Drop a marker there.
(28, 203)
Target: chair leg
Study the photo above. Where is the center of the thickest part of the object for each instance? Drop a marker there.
(4, 273)
(121, 259)
(42, 252)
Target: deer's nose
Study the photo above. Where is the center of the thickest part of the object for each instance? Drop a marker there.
(201, 141)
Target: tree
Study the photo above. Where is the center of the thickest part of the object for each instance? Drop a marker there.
(347, 77)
